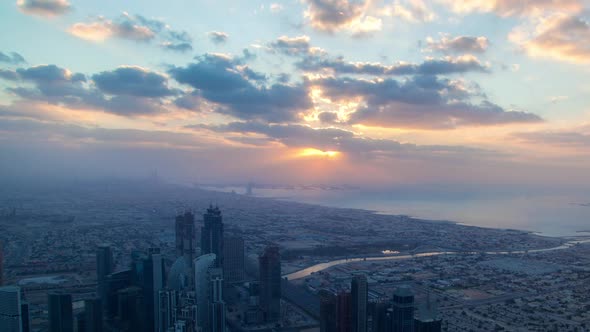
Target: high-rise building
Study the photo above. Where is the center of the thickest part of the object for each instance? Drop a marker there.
(148, 272)
(202, 265)
(403, 310)
(360, 293)
(427, 319)
(212, 235)
(10, 309)
(25, 317)
(115, 282)
(233, 259)
(381, 316)
(328, 311)
(185, 236)
(167, 304)
(61, 317)
(93, 315)
(104, 267)
(130, 309)
(1, 264)
(216, 306)
(344, 312)
(270, 284)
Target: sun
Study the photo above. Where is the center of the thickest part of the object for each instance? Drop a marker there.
(311, 152)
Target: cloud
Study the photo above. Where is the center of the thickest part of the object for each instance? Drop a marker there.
(578, 138)
(276, 7)
(133, 27)
(125, 91)
(335, 15)
(507, 8)
(12, 58)
(218, 37)
(459, 44)
(45, 8)
(331, 139)
(133, 81)
(442, 66)
(414, 11)
(241, 92)
(422, 102)
(291, 45)
(561, 37)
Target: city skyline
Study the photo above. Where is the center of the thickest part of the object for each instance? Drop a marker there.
(438, 92)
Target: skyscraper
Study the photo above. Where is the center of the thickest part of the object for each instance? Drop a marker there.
(10, 309)
(270, 284)
(104, 267)
(233, 255)
(185, 236)
(202, 265)
(381, 316)
(403, 310)
(216, 306)
(1, 264)
(344, 312)
(93, 315)
(427, 319)
(328, 311)
(360, 293)
(61, 317)
(148, 273)
(212, 235)
(25, 317)
(167, 304)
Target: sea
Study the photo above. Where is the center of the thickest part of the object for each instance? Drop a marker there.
(544, 213)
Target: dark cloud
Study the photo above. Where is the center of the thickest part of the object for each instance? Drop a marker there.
(291, 46)
(12, 58)
(240, 91)
(133, 81)
(444, 66)
(422, 102)
(328, 117)
(47, 8)
(179, 47)
(460, 44)
(123, 91)
(218, 37)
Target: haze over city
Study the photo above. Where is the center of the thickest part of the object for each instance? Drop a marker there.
(414, 165)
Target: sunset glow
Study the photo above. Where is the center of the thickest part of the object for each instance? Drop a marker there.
(311, 152)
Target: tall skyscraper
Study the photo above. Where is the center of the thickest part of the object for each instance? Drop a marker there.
(381, 316)
(1, 264)
(104, 267)
(270, 284)
(328, 311)
(61, 317)
(403, 310)
(148, 273)
(427, 319)
(131, 309)
(360, 294)
(233, 263)
(185, 236)
(25, 317)
(10, 309)
(344, 312)
(115, 282)
(212, 235)
(93, 315)
(202, 265)
(167, 303)
(216, 306)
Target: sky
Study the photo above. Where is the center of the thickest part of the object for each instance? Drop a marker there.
(474, 93)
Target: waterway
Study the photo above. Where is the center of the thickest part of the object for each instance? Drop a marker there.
(323, 266)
